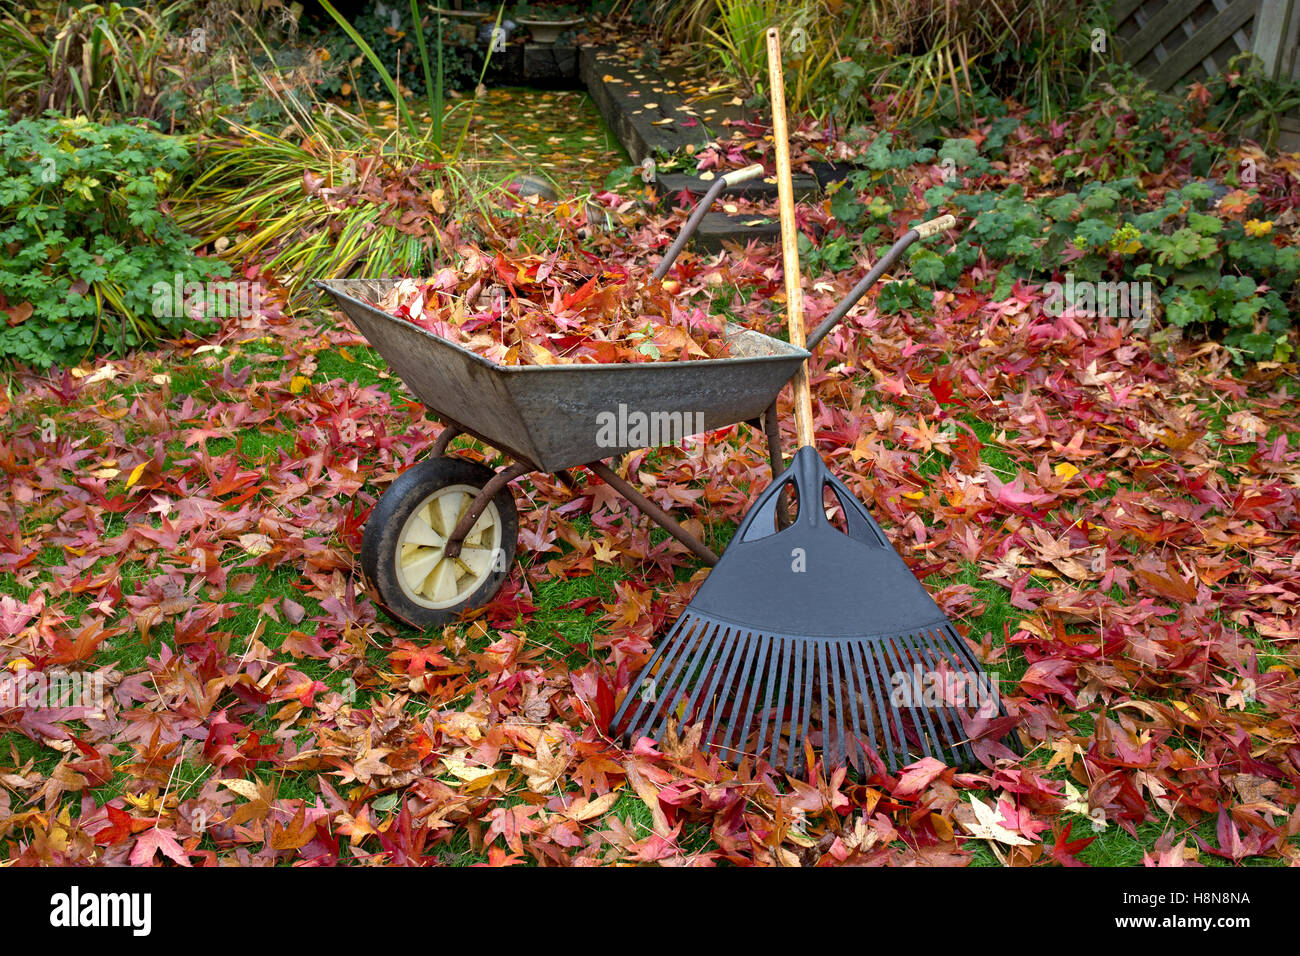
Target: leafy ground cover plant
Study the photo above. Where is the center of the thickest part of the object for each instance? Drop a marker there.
(1207, 255)
(88, 244)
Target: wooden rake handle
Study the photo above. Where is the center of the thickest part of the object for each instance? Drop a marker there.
(789, 236)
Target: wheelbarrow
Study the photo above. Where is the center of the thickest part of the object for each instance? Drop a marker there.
(442, 538)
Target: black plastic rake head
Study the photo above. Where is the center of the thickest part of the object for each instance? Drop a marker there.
(813, 634)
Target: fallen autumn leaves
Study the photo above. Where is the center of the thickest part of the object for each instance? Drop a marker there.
(1117, 532)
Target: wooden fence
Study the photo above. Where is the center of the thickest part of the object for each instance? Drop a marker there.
(1176, 42)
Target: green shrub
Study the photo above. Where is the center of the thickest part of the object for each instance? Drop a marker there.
(1206, 269)
(85, 240)
(1216, 268)
(398, 51)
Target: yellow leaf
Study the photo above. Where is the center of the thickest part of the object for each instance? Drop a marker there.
(19, 663)
(476, 777)
(255, 544)
(942, 828)
(299, 384)
(914, 495)
(136, 472)
(1258, 227)
(245, 788)
(1065, 470)
(144, 802)
(583, 810)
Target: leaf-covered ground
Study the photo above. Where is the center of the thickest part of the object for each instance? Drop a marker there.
(557, 135)
(1114, 530)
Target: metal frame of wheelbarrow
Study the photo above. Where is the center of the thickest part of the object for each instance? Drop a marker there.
(765, 421)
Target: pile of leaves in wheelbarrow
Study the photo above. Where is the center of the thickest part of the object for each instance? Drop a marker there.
(544, 310)
(1113, 525)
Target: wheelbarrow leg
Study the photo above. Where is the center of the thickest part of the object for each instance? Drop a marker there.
(654, 512)
(448, 435)
(771, 427)
(485, 495)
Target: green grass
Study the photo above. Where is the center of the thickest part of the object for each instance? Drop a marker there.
(992, 454)
(361, 364)
(570, 632)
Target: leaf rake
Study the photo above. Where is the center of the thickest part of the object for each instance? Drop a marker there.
(808, 635)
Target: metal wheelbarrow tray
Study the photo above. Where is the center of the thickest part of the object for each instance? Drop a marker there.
(550, 416)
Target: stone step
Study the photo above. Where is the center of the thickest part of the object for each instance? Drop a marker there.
(718, 227)
(533, 64)
(645, 120)
(649, 113)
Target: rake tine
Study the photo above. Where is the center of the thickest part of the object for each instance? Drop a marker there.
(672, 645)
(727, 686)
(742, 718)
(816, 669)
(944, 715)
(685, 667)
(856, 703)
(831, 662)
(716, 643)
(956, 641)
(778, 713)
(888, 718)
(775, 662)
(676, 668)
(810, 661)
(960, 744)
(920, 724)
(791, 755)
(959, 647)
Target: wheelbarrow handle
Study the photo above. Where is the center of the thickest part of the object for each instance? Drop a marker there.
(942, 224)
(924, 231)
(738, 176)
(701, 209)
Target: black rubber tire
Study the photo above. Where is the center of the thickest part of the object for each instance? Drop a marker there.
(379, 542)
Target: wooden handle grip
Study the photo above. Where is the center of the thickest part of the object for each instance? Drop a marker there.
(743, 175)
(789, 235)
(927, 229)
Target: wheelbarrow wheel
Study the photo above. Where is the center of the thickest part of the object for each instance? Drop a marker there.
(403, 549)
